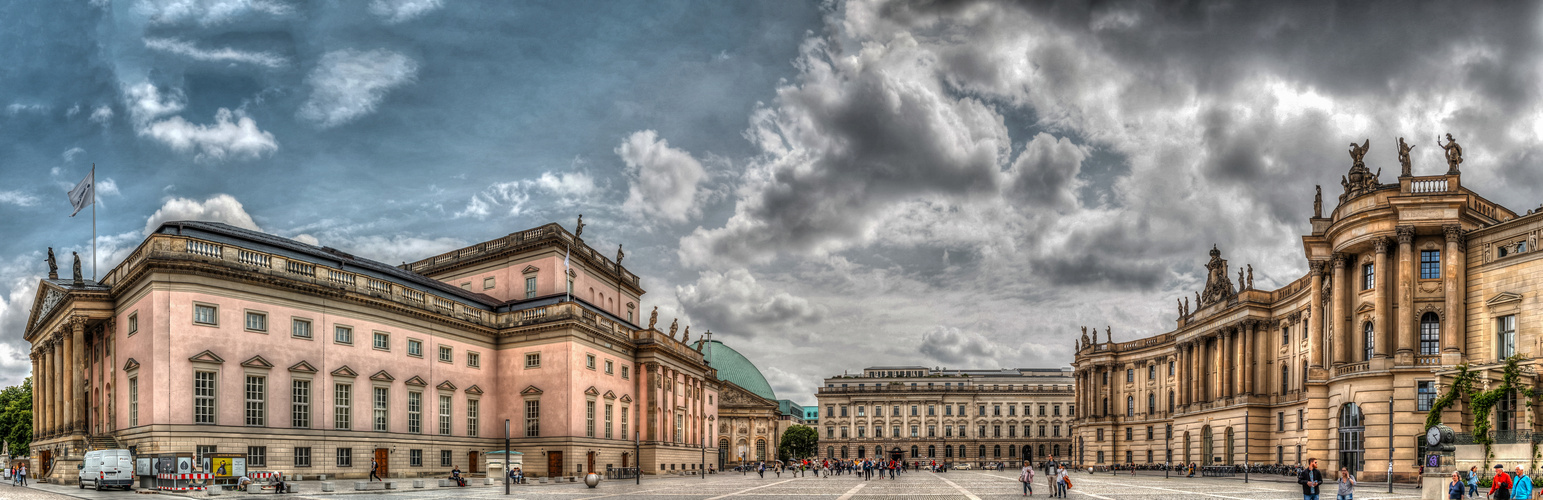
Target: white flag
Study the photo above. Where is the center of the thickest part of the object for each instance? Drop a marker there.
(84, 193)
(565, 257)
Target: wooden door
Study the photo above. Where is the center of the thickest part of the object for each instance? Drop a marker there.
(554, 463)
(591, 466)
(471, 462)
(381, 460)
(45, 462)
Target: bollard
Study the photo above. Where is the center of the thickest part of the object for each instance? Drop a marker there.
(417, 483)
(326, 486)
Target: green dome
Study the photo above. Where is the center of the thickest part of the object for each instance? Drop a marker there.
(733, 367)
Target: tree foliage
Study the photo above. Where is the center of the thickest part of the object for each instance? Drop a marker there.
(16, 417)
(800, 441)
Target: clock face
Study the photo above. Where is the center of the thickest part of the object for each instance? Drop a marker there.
(1433, 436)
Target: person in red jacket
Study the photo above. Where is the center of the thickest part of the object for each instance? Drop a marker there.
(1500, 486)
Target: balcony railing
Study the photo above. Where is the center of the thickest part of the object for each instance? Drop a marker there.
(1421, 185)
(1350, 368)
(1428, 360)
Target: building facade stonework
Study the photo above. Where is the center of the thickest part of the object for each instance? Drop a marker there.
(921, 414)
(1406, 281)
(210, 338)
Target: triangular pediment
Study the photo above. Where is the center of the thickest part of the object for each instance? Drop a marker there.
(257, 362)
(530, 391)
(48, 298)
(474, 389)
(131, 365)
(626, 398)
(417, 381)
(591, 391)
(344, 371)
(1503, 298)
(445, 386)
(530, 269)
(734, 395)
(382, 376)
(302, 367)
(1364, 307)
(610, 394)
(207, 357)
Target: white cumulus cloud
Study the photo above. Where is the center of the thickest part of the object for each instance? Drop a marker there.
(563, 189)
(233, 135)
(396, 11)
(347, 84)
(218, 208)
(663, 179)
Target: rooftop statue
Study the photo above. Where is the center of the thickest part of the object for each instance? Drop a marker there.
(1454, 153)
(1250, 276)
(1358, 153)
(1084, 335)
(578, 229)
(619, 255)
(1403, 156)
(53, 266)
(78, 279)
(653, 318)
(1317, 202)
(686, 336)
(673, 324)
(1217, 285)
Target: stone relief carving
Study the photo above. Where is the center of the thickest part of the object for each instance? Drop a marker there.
(1218, 286)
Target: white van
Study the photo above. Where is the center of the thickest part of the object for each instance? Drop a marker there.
(107, 468)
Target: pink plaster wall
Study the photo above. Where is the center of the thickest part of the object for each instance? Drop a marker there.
(509, 284)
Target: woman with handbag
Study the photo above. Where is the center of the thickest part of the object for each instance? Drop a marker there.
(1027, 478)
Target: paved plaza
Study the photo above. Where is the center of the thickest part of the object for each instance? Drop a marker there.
(977, 485)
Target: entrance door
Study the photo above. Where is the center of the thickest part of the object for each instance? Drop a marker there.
(896, 454)
(590, 463)
(624, 458)
(381, 456)
(45, 462)
(723, 457)
(471, 462)
(554, 463)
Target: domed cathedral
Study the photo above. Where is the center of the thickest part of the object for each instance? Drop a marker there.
(1406, 281)
(751, 419)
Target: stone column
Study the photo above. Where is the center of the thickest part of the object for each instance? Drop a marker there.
(67, 378)
(77, 373)
(1342, 343)
(33, 357)
(1315, 314)
(1183, 374)
(57, 386)
(1251, 358)
(1197, 377)
(1452, 332)
(1382, 290)
(1408, 339)
(1228, 364)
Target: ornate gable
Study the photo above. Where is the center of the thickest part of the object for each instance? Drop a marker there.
(302, 367)
(257, 362)
(530, 269)
(474, 389)
(445, 386)
(610, 394)
(1503, 298)
(207, 357)
(734, 395)
(591, 391)
(382, 376)
(416, 381)
(131, 365)
(48, 298)
(530, 391)
(626, 398)
(345, 371)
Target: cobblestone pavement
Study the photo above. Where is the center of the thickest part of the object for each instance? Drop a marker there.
(975, 485)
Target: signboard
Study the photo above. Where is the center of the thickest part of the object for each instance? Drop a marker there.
(166, 465)
(142, 467)
(184, 465)
(226, 464)
(1433, 461)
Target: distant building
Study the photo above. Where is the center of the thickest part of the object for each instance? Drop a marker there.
(750, 417)
(915, 413)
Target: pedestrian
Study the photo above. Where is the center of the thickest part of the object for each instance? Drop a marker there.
(1027, 478)
(23, 474)
(1473, 481)
(1060, 481)
(761, 469)
(1456, 487)
(1310, 479)
(1521, 489)
(374, 469)
(1500, 486)
(1346, 485)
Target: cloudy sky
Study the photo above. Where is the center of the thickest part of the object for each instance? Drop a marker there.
(824, 185)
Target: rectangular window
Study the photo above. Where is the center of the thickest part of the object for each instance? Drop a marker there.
(415, 458)
(1430, 264)
(1280, 421)
(343, 335)
(1368, 277)
(415, 412)
(303, 456)
(345, 457)
(624, 422)
(589, 419)
(134, 402)
(624, 372)
(532, 360)
(257, 456)
(1285, 335)
(445, 354)
(589, 361)
(487, 283)
(383, 341)
(1129, 435)
(1506, 332)
(1100, 435)
(300, 328)
(203, 397)
(610, 367)
(530, 287)
(472, 408)
(256, 321)
(1130, 375)
(415, 348)
(1427, 394)
(444, 415)
(532, 419)
(444, 458)
(206, 314)
(300, 404)
(473, 359)
(608, 421)
(133, 324)
(256, 394)
(341, 418)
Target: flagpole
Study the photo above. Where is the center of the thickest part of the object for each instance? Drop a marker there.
(93, 222)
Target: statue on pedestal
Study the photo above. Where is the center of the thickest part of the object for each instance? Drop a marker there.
(578, 229)
(1454, 153)
(78, 279)
(1250, 276)
(686, 335)
(673, 324)
(1403, 157)
(619, 255)
(53, 266)
(653, 317)
(1317, 201)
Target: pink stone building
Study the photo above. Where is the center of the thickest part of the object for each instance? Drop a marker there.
(210, 338)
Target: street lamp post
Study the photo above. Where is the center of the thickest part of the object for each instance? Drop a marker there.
(638, 456)
(1245, 446)
(1390, 444)
(507, 470)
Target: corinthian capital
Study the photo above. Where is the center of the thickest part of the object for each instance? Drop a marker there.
(1315, 267)
(1380, 244)
(1405, 235)
(1339, 260)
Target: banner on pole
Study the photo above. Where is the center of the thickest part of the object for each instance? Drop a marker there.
(84, 193)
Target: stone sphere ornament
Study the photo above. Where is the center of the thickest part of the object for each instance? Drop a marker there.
(591, 480)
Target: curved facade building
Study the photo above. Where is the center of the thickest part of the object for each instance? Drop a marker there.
(750, 418)
(1406, 281)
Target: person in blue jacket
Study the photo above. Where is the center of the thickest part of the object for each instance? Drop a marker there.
(1456, 487)
(1521, 488)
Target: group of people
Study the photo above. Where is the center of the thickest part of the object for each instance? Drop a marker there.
(276, 482)
(1055, 478)
(1501, 487)
(17, 474)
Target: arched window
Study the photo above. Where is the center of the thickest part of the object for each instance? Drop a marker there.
(1285, 378)
(996, 451)
(1012, 451)
(961, 452)
(948, 452)
(1229, 459)
(862, 452)
(1352, 438)
(1042, 450)
(830, 452)
(878, 452)
(932, 451)
(1207, 449)
(760, 449)
(1430, 334)
(1106, 407)
(1170, 401)
(1151, 403)
(1028, 452)
(843, 452)
(1368, 334)
(1130, 406)
(1057, 451)
(915, 451)
(982, 453)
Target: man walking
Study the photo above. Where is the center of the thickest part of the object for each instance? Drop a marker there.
(374, 469)
(1310, 479)
(1500, 486)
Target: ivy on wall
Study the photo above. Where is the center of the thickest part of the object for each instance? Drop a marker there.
(1482, 403)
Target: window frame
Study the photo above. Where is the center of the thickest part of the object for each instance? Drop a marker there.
(206, 407)
(414, 347)
(302, 456)
(294, 328)
(256, 409)
(341, 331)
(1430, 269)
(473, 359)
(1368, 276)
(377, 338)
(214, 314)
(533, 359)
(262, 319)
(446, 353)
